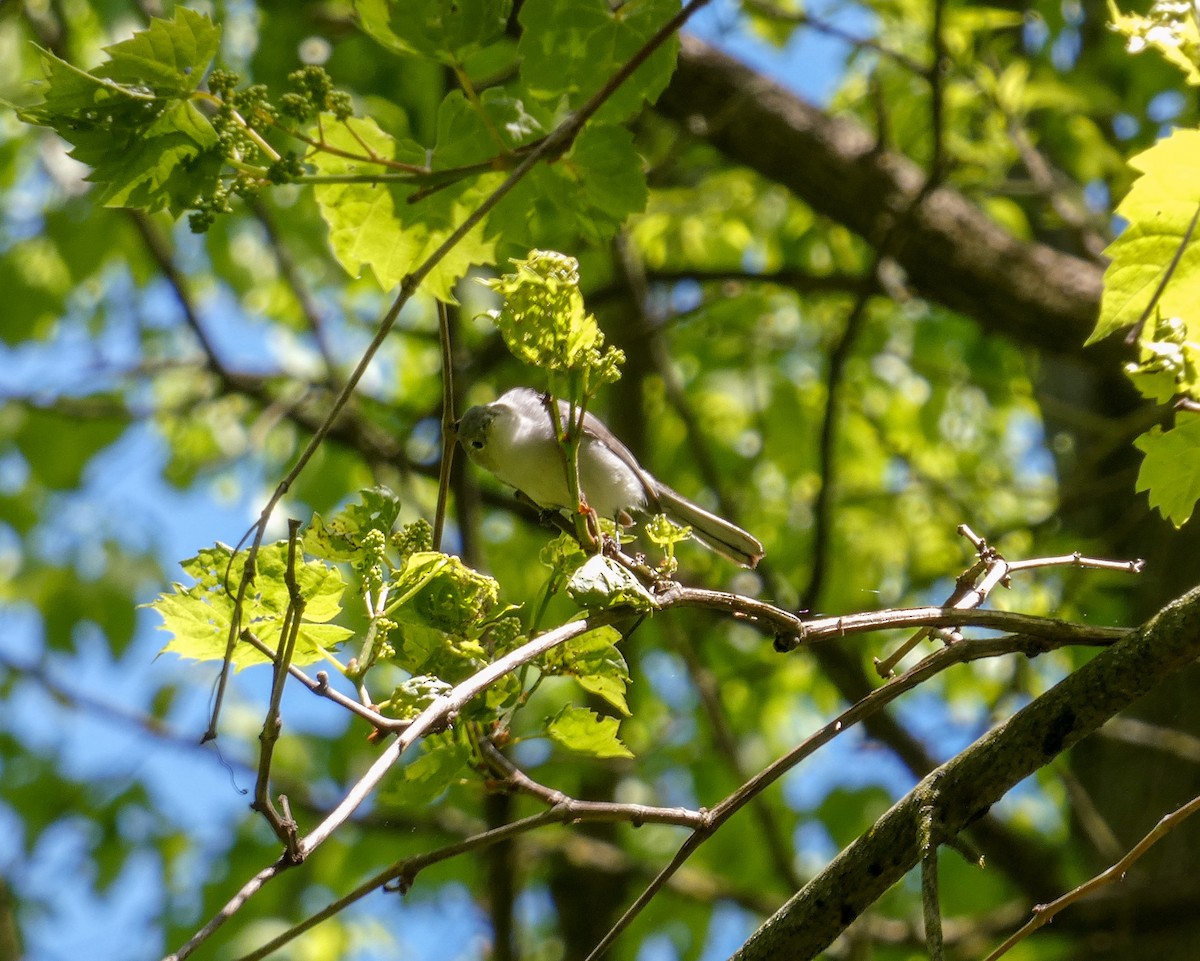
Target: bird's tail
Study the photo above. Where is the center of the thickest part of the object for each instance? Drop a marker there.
(719, 534)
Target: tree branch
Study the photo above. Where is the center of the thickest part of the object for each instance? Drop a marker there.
(974, 780)
(952, 252)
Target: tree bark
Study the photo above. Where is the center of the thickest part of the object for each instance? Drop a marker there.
(952, 252)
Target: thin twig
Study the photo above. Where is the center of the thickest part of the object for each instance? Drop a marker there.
(282, 825)
(975, 585)
(161, 253)
(292, 277)
(1044, 913)
(322, 688)
(449, 424)
(575, 809)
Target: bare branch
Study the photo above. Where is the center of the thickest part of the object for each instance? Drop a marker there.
(1044, 913)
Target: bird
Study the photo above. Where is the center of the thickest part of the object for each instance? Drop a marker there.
(514, 438)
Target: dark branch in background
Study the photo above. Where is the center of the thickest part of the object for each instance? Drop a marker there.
(823, 519)
(978, 777)
(778, 846)
(951, 251)
(800, 281)
(304, 298)
(160, 252)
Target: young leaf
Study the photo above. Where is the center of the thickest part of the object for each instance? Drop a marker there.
(413, 696)
(544, 322)
(375, 225)
(594, 661)
(340, 538)
(1160, 208)
(586, 732)
(198, 617)
(169, 56)
(131, 120)
(442, 763)
(602, 582)
(1171, 469)
(590, 192)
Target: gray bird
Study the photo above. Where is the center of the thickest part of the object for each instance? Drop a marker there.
(513, 438)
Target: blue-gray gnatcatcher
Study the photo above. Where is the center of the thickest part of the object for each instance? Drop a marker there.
(513, 437)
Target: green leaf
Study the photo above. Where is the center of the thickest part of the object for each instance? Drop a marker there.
(586, 732)
(467, 134)
(167, 164)
(1159, 208)
(443, 762)
(590, 192)
(374, 225)
(443, 591)
(445, 30)
(169, 56)
(594, 661)
(606, 171)
(1171, 469)
(543, 320)
(414, 695)
(198, 617)
(419, 645)
(602, 583)
(340, 538)
(130, 119)
(570, 48)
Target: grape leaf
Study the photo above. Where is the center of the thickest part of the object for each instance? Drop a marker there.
(198, 617)
(586, 732)
(1171, 469)
(602, 582)
(381, 226)
(1159, 208)
(340, 538)
(594, 661)
(130, 118)
(467, 134)
(443, 762)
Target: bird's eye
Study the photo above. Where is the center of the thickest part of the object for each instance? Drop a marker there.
(477, 444)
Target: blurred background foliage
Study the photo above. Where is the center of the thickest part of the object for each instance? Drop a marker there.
(126, 445)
